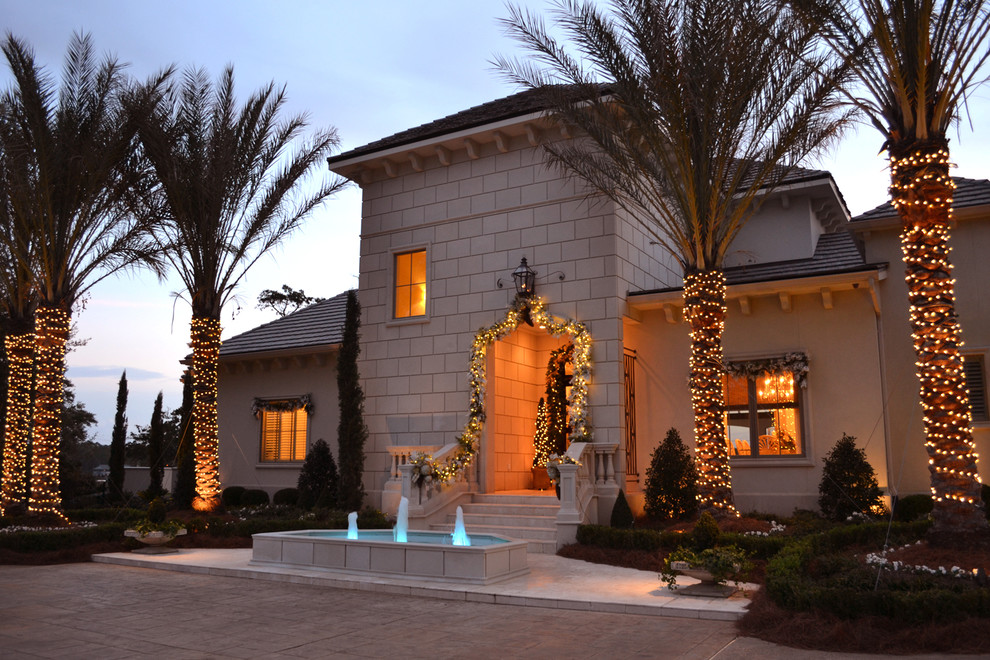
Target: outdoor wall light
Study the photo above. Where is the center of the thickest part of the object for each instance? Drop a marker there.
(525, 279)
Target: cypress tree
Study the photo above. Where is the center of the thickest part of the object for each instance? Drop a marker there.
(118, 440)
(184, 489)
(156, 442)
(351, 430)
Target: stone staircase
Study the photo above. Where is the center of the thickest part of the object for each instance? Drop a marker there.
(531, 518)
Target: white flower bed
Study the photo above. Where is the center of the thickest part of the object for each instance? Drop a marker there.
(879, 559)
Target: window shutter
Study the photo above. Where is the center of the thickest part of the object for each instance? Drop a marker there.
(976, 384)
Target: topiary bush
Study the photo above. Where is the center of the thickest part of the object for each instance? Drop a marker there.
(254, 497)
(157, 511)
(671, 480)
(849, 482)
(231, 495)
(318, 481)
(286, 497)
(705, 533)
(912, 507)
(622, 516)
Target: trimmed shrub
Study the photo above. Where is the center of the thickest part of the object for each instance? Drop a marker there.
(317, 482)
(912, 507)
(849, 482)
(286, 496)
(671, 480)
(157, 511)
(705, 533)
(231, 495)
(254, 497)
(622, 516)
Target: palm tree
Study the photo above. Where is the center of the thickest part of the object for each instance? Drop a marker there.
(231, 188)
(915, 61)
(71, 175)
(692, 112)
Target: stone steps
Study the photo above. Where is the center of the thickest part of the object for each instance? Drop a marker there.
(531, 518)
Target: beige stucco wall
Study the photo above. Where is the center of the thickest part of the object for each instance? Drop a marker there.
(241, 381)
(477, 218)
(969, 241)
(843, 393)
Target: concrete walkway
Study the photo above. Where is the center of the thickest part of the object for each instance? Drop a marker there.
(203, 607)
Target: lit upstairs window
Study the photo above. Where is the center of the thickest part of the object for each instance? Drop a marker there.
(410, 284)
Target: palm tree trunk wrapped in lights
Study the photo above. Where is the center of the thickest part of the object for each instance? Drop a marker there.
(704, 309)
(51, 335)
(19, 349)
(921, 191)
(205, 335)
(913, 63)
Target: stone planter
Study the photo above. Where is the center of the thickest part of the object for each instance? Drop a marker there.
(154, 541)
(706, 586)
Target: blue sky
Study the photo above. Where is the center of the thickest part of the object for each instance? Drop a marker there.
(370, 69)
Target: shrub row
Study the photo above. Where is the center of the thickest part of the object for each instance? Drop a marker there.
(652, 540)
(62, 538)
(802, 579)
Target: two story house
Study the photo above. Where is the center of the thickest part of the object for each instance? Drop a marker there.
(816, 337)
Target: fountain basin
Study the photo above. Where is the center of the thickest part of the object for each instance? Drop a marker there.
(425, 556)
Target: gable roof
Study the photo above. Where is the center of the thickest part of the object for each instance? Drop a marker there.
(969, 193)
(319, 325)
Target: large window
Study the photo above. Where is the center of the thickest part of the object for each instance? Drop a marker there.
(763, 414)
(284, 425)
(410, 284)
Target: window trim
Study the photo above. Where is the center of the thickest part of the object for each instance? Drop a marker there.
(392, 254)
(797, 364)
(282, 404)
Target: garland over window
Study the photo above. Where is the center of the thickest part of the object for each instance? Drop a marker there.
(427, 470)
(282, 405)
(794, 363)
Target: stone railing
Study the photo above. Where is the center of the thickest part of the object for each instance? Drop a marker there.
(583, 485)
(400, 456)
(427, 499)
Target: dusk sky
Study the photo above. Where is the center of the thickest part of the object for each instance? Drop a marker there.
(370, 69)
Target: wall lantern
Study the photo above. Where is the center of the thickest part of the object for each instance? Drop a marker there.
(525, 279)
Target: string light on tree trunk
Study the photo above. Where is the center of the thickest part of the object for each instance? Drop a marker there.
(922, 192)
(17, 425)
(205, 335)
(51, 333)
(704, 308)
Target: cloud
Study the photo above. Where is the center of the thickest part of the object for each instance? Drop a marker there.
(114, 372)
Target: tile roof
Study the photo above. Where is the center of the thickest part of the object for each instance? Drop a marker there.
(318, 325)
(516, 105)
(835, 253)
(969, 192)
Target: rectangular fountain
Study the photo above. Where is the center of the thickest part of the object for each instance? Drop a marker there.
(424, 555)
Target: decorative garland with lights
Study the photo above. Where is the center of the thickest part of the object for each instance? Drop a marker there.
(704, 308)
(205, 336)
(793, 363)
(17, 425)
(51, 332)
(921, 191)
(304, 402)
(427, 470)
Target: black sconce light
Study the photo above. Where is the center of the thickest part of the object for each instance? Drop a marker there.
(525, 279)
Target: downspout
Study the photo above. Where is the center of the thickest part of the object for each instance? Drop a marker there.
(888, 454)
